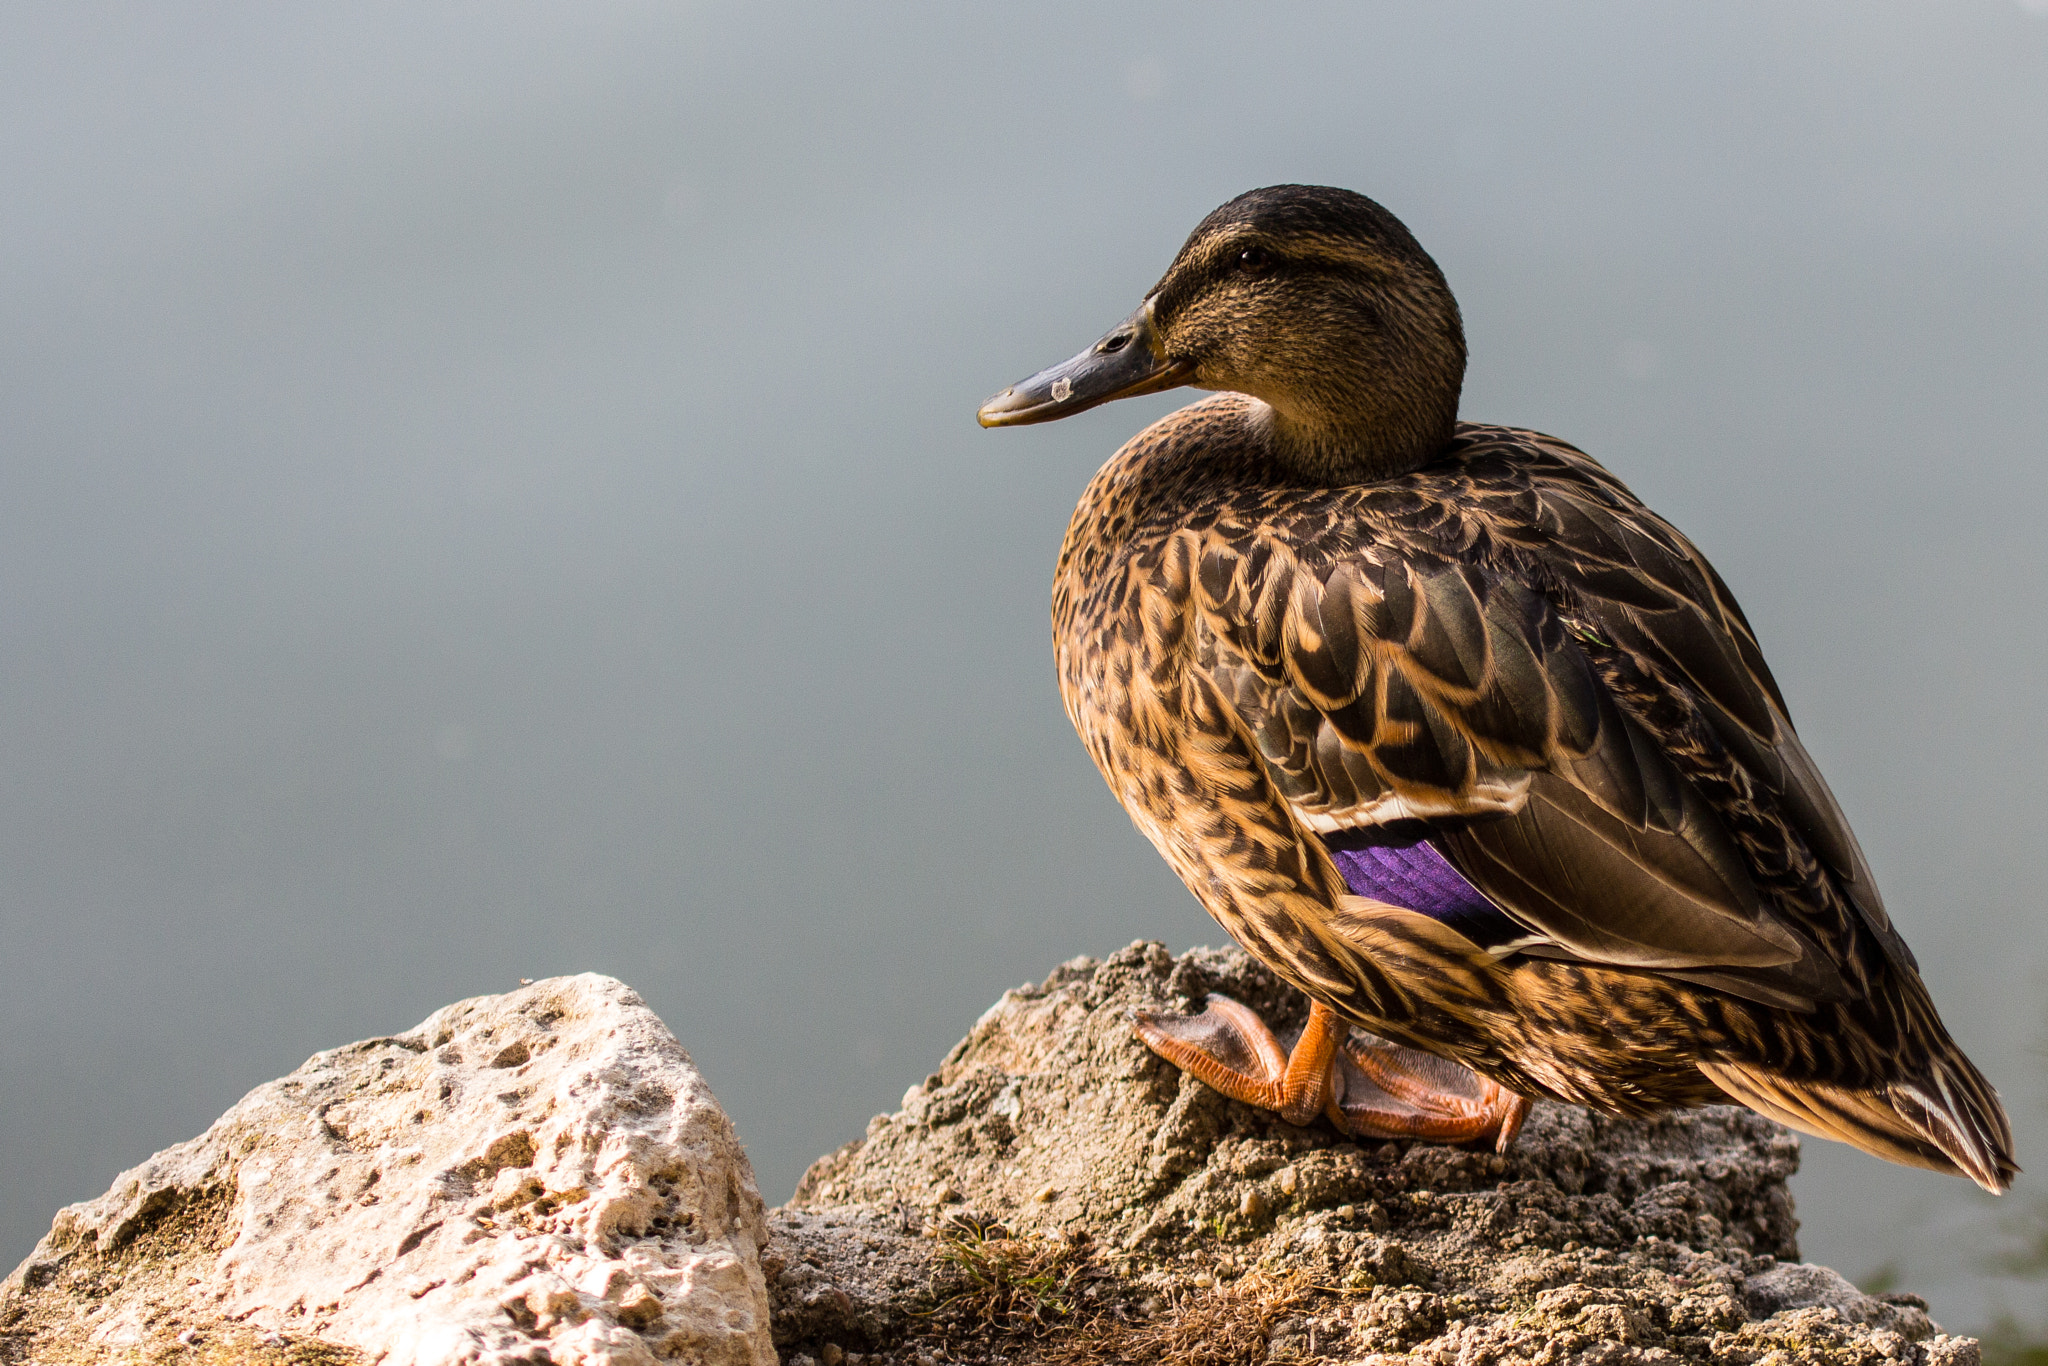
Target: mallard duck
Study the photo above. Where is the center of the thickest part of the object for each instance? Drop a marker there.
(1451, 732)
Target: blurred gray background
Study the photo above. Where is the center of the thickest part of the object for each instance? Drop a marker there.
(489, 491)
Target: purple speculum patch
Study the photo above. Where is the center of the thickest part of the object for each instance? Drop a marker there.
(1414, 875)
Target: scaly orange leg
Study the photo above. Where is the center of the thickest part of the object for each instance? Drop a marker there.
(1368, 1090)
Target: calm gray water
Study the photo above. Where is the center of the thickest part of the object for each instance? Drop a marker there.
(489, 491)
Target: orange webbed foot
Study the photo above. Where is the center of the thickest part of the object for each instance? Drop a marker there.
(1368, 1087)
(1383, 1090)
(1229, 1047)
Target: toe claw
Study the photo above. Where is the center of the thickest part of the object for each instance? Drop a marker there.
(1513, 1110)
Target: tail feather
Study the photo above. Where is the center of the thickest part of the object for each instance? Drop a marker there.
(1949, 1122)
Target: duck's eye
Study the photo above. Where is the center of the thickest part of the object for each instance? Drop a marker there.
(1255, 260)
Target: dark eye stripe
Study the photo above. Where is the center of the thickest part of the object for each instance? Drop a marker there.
(1219, 267)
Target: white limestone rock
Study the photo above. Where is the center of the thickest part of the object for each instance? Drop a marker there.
(538, 1176)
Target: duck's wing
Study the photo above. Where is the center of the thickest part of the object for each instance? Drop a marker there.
(1652, 599)
(1464, 665)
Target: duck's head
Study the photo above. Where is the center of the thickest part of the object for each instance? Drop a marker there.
(1315, 301)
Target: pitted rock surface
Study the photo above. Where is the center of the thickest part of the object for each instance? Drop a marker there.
(1050, 1130)
(541, 1176)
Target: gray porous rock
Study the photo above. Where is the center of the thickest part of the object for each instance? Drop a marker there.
(541, 1176)
(1054, 1192)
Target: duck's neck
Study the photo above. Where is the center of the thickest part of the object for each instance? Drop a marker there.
(1317, 449)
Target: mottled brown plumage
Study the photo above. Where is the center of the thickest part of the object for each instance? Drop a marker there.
(1316, 607)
